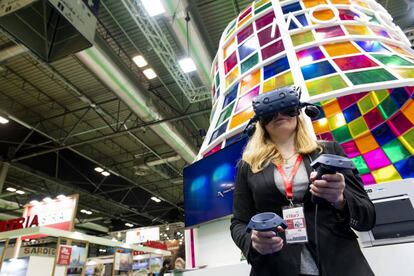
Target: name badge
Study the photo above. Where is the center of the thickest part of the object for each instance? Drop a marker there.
(295, 218)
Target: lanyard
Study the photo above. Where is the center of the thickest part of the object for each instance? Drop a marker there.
(289, 181)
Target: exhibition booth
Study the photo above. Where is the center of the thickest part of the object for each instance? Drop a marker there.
(43, 242)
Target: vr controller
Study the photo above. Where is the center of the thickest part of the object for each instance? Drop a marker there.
(266, 222)
(279, 100)
(330, 164)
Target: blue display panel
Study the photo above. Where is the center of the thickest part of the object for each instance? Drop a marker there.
(209, 185)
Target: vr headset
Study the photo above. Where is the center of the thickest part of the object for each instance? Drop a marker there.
(285, 100)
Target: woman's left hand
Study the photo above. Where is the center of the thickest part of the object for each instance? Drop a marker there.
(331, 187)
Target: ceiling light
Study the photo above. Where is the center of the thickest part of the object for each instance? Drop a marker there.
(34, 202)
(153, 7)
(140, 61)
(20, 192)
(150, 74)
(187, 65)
(167, 228)
(47, 199)
(88, 212)
(105, 173)
(156, 199)
(3, 120)
(83, 211)
(99, 169)
(129, 224)
(10, 189)
(61, 197)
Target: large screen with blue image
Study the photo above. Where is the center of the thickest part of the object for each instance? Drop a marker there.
(209, 185)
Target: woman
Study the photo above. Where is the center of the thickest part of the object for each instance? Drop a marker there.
(281, 144)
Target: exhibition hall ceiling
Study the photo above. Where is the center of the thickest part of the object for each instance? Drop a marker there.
(66, 120)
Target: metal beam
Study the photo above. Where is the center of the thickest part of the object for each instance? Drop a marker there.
(112, 135)
(3, 174)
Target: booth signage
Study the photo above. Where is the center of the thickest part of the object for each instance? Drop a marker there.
(9, 6)
(58, 214)
(142, 235)
(19, 223)
(64, 255)
(37, 251)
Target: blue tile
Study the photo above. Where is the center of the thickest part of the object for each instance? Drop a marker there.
(292, 8)
(400, 96)
(351, 113)
(276, 67)
(315, 70)
(372, 46)
(231, 96)
(383, 134)
(405, 167)
(302, 19)
(219, 131)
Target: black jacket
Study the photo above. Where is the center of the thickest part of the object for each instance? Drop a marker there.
(339, 250)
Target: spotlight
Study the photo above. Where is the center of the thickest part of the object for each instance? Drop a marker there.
(99, 169)
(105, 173)
(10, 189)
(156, 199)
(47, 199)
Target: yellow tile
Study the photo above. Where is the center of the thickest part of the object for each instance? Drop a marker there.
(386, 174)
(340, 49)
(320, 126)
(233, 75)
(241, 117)
(357, 30)
(313, 3)
(282, 80)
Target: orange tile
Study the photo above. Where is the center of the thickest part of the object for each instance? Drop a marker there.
(320, 126)
(340, 49)
(230, 48)
(324, 15)
(313, 3)
(332, 108)
(340, 2)
(366, 143)
(249, 81)
(408, 110)
(241, 117)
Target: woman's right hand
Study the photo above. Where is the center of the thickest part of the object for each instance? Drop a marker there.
(267, 242)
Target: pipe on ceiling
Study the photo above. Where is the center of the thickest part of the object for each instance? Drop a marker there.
(198, 51)
(104, 64)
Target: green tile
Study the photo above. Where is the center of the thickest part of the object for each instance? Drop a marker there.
(395, 151)
(370, 76)
(342, 134)
(302, 38)
(325, 85)
(360, 164)
(225, 114)
(366, 104)
(262, 8)
(249, 63)
(358, 127)
(387, 107)
(218, 81)
(381, 94)
(392, 60)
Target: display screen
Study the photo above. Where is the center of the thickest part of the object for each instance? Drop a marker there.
(209, 185)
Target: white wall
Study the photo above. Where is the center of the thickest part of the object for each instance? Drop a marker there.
(214, 245)
(40, 266)
(396, 259)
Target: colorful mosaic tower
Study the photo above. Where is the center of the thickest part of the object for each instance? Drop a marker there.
(348, 57)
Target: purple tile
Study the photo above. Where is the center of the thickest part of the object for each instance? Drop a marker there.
(245, 13)
(373, 118)
(349, 100)
(273, 49)
(326, 136)
(245, 33)
(351, 149)
(376, 159)
(265, 20)
(230, 62)
(265, 36)
(328, 32)
(399, 124)
(246, 100)
(368, 179)
(310, 55)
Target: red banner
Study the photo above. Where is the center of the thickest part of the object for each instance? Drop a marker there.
(64, 255)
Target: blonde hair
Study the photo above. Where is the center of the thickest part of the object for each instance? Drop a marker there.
(260, 150)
